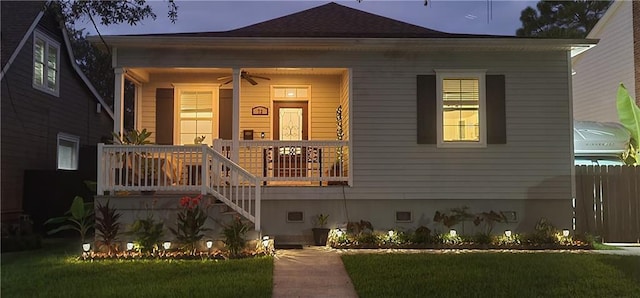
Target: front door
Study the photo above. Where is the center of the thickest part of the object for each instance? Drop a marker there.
(290, 124)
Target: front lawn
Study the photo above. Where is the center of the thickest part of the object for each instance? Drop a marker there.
(55, 273)
(494, 275)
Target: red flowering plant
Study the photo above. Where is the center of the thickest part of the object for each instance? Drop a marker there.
(190, 224)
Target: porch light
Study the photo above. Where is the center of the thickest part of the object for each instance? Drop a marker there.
(390, 233)
(565, 233)
(166, 245)
(262, 135)
(86, 247)
(209, 244)
(129, 245)
(453, 233)
(339, 233)
(507, 233)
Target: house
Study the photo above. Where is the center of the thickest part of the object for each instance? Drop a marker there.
(50, 111)
(599, 71)
(335, 110)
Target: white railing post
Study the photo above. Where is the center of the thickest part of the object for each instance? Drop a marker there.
(204, 170)
(257, 204)
(100, 174)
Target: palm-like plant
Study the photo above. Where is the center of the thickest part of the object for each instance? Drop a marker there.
(107, 225)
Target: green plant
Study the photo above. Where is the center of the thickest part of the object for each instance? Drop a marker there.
(107, 225)
(148, 233)
(79, 217)
(357, 228)
(544, 233)
(234, 235)
(629, 116)
(190, 224)
(320, 220)
(132, 137)
(422, 235)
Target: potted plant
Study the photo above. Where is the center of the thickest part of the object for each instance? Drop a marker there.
(320, 231)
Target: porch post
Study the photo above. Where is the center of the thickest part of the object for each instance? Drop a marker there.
(235, 152)
(118, 101)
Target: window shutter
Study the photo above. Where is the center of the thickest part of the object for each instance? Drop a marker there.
(226, 114)
(496, 111)
(426, 109)
(164, 116)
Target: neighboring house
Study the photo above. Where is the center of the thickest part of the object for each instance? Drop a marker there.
(50, 111)
(428, 120)
(599, 71)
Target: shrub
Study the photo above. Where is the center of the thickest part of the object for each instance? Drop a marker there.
(107, 225)
(148, 234)
(234, 235)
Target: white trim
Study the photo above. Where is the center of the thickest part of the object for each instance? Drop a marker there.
(215, 97)
(350, 140)
(48, 42)
(84, 78)
(479, 74)
(76, 150)
(24, 39)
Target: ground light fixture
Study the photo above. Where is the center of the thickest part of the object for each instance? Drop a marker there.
(86, 247)
(129, 245)
(209, 244)
(166, 245)
(565, 233)
(453, 233)
(339, 233)
(390, 233)
(507, 233)
(265, 241)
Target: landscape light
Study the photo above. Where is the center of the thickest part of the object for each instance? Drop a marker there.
(565, 233)
(339, 233)
(166, 245)
(129, 245)
(507, 233)
(391, 233)
(86, 247)
(453, 233)
(265, 241)
(209, 244)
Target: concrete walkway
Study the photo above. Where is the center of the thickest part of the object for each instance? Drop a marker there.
(626, 249)
(310, 272)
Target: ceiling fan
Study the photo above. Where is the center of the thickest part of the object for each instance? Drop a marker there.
(245, 75)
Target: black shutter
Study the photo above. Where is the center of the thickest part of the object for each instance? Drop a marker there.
(496, 111)
(426, 109)
(226, 114)
(164, 116)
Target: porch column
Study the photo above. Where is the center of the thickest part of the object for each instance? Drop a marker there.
(235, 152)
(118, 101)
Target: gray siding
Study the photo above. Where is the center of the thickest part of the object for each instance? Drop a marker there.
(388, 163)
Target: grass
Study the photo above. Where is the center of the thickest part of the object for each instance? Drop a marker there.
(57, 273)
(494, 275)
(601, 246)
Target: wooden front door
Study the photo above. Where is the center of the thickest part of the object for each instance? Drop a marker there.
(290, 123)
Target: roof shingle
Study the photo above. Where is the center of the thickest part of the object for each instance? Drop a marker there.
(331, 20)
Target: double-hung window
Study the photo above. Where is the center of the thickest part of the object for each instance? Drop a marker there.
(46, 63)
(461, 116)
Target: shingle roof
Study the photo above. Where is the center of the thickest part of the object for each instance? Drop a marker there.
(16, 18)
(331, 20)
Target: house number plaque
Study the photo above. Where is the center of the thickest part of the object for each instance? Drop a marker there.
(260, 110)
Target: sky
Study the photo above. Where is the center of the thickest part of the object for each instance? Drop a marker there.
(494, 17)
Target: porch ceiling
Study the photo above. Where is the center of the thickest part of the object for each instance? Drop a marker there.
(146, 71)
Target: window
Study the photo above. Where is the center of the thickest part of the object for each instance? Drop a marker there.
(68, 147)
(461, 109)
(46, 62)
(196, 109)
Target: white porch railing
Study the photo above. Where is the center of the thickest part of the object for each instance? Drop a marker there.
(180, 169)
(312, 161)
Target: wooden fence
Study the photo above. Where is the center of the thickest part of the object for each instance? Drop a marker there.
(608, 202)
